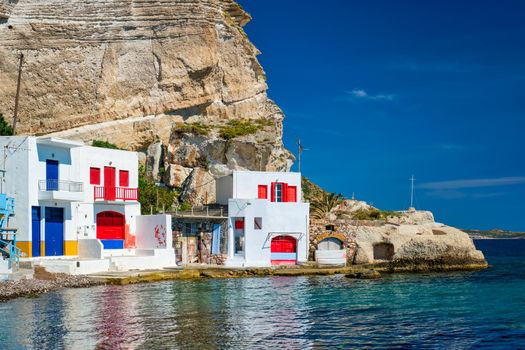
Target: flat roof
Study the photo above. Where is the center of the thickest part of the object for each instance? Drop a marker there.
(58, 142)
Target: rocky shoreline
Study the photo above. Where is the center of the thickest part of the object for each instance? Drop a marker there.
(44, 282)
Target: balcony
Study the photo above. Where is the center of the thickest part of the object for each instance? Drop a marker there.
(116, 194)
(65, 190)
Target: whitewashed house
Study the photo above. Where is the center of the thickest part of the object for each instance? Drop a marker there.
(267, 219)
(76, 200)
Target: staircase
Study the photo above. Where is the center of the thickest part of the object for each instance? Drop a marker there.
(10, 254)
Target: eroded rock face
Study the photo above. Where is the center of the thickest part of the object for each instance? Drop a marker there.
(417, 243)
(199, 187)
(132, 72)
(175, 175)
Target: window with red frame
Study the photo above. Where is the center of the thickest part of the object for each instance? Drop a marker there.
(94, 176)
(123, 178)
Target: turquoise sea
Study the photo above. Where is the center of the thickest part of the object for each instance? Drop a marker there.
(463, 310)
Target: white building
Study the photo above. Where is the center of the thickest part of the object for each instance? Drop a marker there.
(75, 200)
(267, 220)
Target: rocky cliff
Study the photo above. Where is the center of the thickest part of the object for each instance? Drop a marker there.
(174, 73)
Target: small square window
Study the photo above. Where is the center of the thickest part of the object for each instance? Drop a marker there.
(330, 228)
(257, 223)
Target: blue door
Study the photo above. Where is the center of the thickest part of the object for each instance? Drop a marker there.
(54, 231)
(35, 231)
(216, 240)
(51, 175)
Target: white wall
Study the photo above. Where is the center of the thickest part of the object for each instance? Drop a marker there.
(277, 219)
(16, 181)
(26, 166)
(99, 158)
(154, 232)
(245, 183)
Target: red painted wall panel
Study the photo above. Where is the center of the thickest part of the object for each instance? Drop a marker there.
(263, 192)
(123, 178)
(94, 176)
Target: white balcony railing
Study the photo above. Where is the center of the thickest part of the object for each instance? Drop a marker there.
(60, 185)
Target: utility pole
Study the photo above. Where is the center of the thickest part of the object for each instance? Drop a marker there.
(412, 179)
(300, 149)
(15, 115)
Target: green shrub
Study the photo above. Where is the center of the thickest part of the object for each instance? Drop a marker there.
(153, 198)
(237, 128)
(194, 128)
(184, 206)
(5, 128)
(373, 214)
(104, 144)
(324, 203)
(265, 122)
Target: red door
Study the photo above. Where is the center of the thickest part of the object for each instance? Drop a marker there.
(110, 225)
(283, 250)
(109, 183)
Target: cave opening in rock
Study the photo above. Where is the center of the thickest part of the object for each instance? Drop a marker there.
(383, 251)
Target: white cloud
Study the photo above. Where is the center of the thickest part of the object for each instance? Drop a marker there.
(362, 94)
(473, 183)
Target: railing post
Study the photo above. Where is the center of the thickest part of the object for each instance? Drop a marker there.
(192, 210)
(207, 212)
(221, 212)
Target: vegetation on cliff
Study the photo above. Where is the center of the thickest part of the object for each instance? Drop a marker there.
(154, 199)
(373, 214)
(5, 128)
(104, 144)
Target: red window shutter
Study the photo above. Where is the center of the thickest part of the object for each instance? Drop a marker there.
(123, 178)
(239, 224)
(292, 194)
(272, 190)
(285, 192)
(263, 192)
(94, 176)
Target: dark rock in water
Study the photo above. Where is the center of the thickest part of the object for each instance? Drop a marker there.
(365, 275)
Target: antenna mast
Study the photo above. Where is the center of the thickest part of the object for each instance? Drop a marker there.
(412, 179)
(300, 150)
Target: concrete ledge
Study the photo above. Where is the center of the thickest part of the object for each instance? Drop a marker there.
(123, 278)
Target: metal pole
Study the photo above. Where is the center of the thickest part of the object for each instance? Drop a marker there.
(17, 96)
(412, 179)
(299, 150)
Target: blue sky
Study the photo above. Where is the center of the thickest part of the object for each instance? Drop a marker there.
(381, 90)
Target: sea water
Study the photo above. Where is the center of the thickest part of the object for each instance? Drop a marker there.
(460, 310)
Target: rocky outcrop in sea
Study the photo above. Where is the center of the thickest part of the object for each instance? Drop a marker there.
(409, 240)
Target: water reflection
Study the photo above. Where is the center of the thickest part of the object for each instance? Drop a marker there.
(401, 311)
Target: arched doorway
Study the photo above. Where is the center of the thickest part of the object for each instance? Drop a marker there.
(330, 243)
(110, 225)
(330, 251)
(283, 250)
